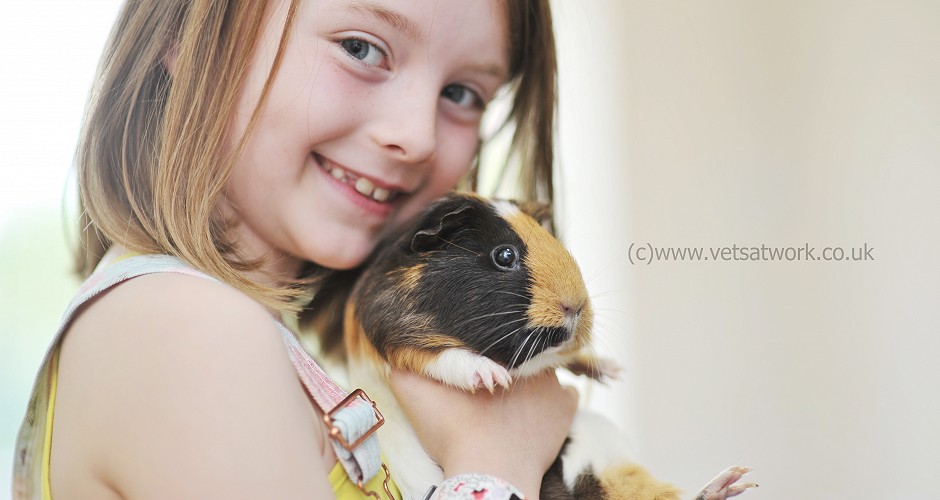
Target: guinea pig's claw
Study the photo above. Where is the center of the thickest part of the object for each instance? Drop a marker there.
(491, 377)
(468, 371)
(503, 379)
(723, 486)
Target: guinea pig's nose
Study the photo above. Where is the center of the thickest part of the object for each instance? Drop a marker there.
(572, 311)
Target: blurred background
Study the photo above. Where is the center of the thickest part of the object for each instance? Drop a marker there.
(684, 124)
(48, 54)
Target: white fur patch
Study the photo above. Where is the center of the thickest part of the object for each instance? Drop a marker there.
(465, 370)
(505, 209)
(596, 443)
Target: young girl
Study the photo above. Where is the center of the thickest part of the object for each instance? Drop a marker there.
(256, 144)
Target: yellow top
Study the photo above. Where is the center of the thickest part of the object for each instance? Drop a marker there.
(47, 439)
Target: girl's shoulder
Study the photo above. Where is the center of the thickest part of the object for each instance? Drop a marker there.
(173, 311)
(189, 379)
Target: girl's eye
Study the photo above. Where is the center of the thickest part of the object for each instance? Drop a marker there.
(361, 50)
(462, 96)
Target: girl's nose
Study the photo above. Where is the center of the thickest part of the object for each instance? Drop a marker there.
(408, 127)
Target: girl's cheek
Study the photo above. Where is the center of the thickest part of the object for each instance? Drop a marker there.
(463, 145)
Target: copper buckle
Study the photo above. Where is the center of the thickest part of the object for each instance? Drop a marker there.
(335, 432)
(385, 488)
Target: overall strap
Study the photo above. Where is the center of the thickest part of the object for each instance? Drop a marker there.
(352, 420)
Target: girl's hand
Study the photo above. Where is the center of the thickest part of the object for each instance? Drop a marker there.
(513, 434)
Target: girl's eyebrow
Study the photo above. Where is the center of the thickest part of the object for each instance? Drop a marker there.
(406, 25)
(390, 17)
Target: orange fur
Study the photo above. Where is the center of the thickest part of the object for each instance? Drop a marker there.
(415, 359)
(406, 279)
(357, 345)
(353, 336)
(556, 279)
(632, 482)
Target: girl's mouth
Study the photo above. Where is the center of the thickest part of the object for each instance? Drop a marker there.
(362, 185)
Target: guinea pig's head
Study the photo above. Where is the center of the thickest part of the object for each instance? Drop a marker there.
(489, 276)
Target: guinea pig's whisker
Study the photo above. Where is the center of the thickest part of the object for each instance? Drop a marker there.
(604, 332)
(458, 246)
(608, 293)
(504, 337)
(528, 355)
(610, 344)
(460, 326)
(512, 293)
(517, 311)
(537, 341)
(598, 272)
(519, 351)
(512, 322)
(546, 340)
(599, 310)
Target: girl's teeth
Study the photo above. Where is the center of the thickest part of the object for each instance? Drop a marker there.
(380, 194)
(364, 186)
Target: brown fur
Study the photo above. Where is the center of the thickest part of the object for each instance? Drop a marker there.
(587, 487)
(424, 349)
(553, 483)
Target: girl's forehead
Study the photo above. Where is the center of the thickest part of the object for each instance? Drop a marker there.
(419, 18)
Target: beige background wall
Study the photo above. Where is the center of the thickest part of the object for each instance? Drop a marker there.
(713, 123)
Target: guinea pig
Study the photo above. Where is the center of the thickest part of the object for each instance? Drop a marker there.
(475, 294)
(474, 291)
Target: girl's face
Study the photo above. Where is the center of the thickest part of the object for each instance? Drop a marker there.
(374, 112)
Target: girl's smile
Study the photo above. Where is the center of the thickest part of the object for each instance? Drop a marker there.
(373, 195)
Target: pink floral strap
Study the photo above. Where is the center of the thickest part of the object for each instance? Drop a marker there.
(352, 418)
(474, 487)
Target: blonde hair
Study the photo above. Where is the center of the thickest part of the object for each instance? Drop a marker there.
(152, 159)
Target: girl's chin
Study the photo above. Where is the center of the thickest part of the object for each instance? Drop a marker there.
(341, 258)
(345, 243)
(341, 265)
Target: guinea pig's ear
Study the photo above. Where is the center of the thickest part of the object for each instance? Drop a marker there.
(435, 229)
(541, 212)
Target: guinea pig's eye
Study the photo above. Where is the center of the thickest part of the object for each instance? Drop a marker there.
(505, 257)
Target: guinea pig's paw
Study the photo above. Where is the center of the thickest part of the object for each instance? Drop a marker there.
(468, 371)
(723, 486)
(490, 375)
(598, 368)
(607, 368)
